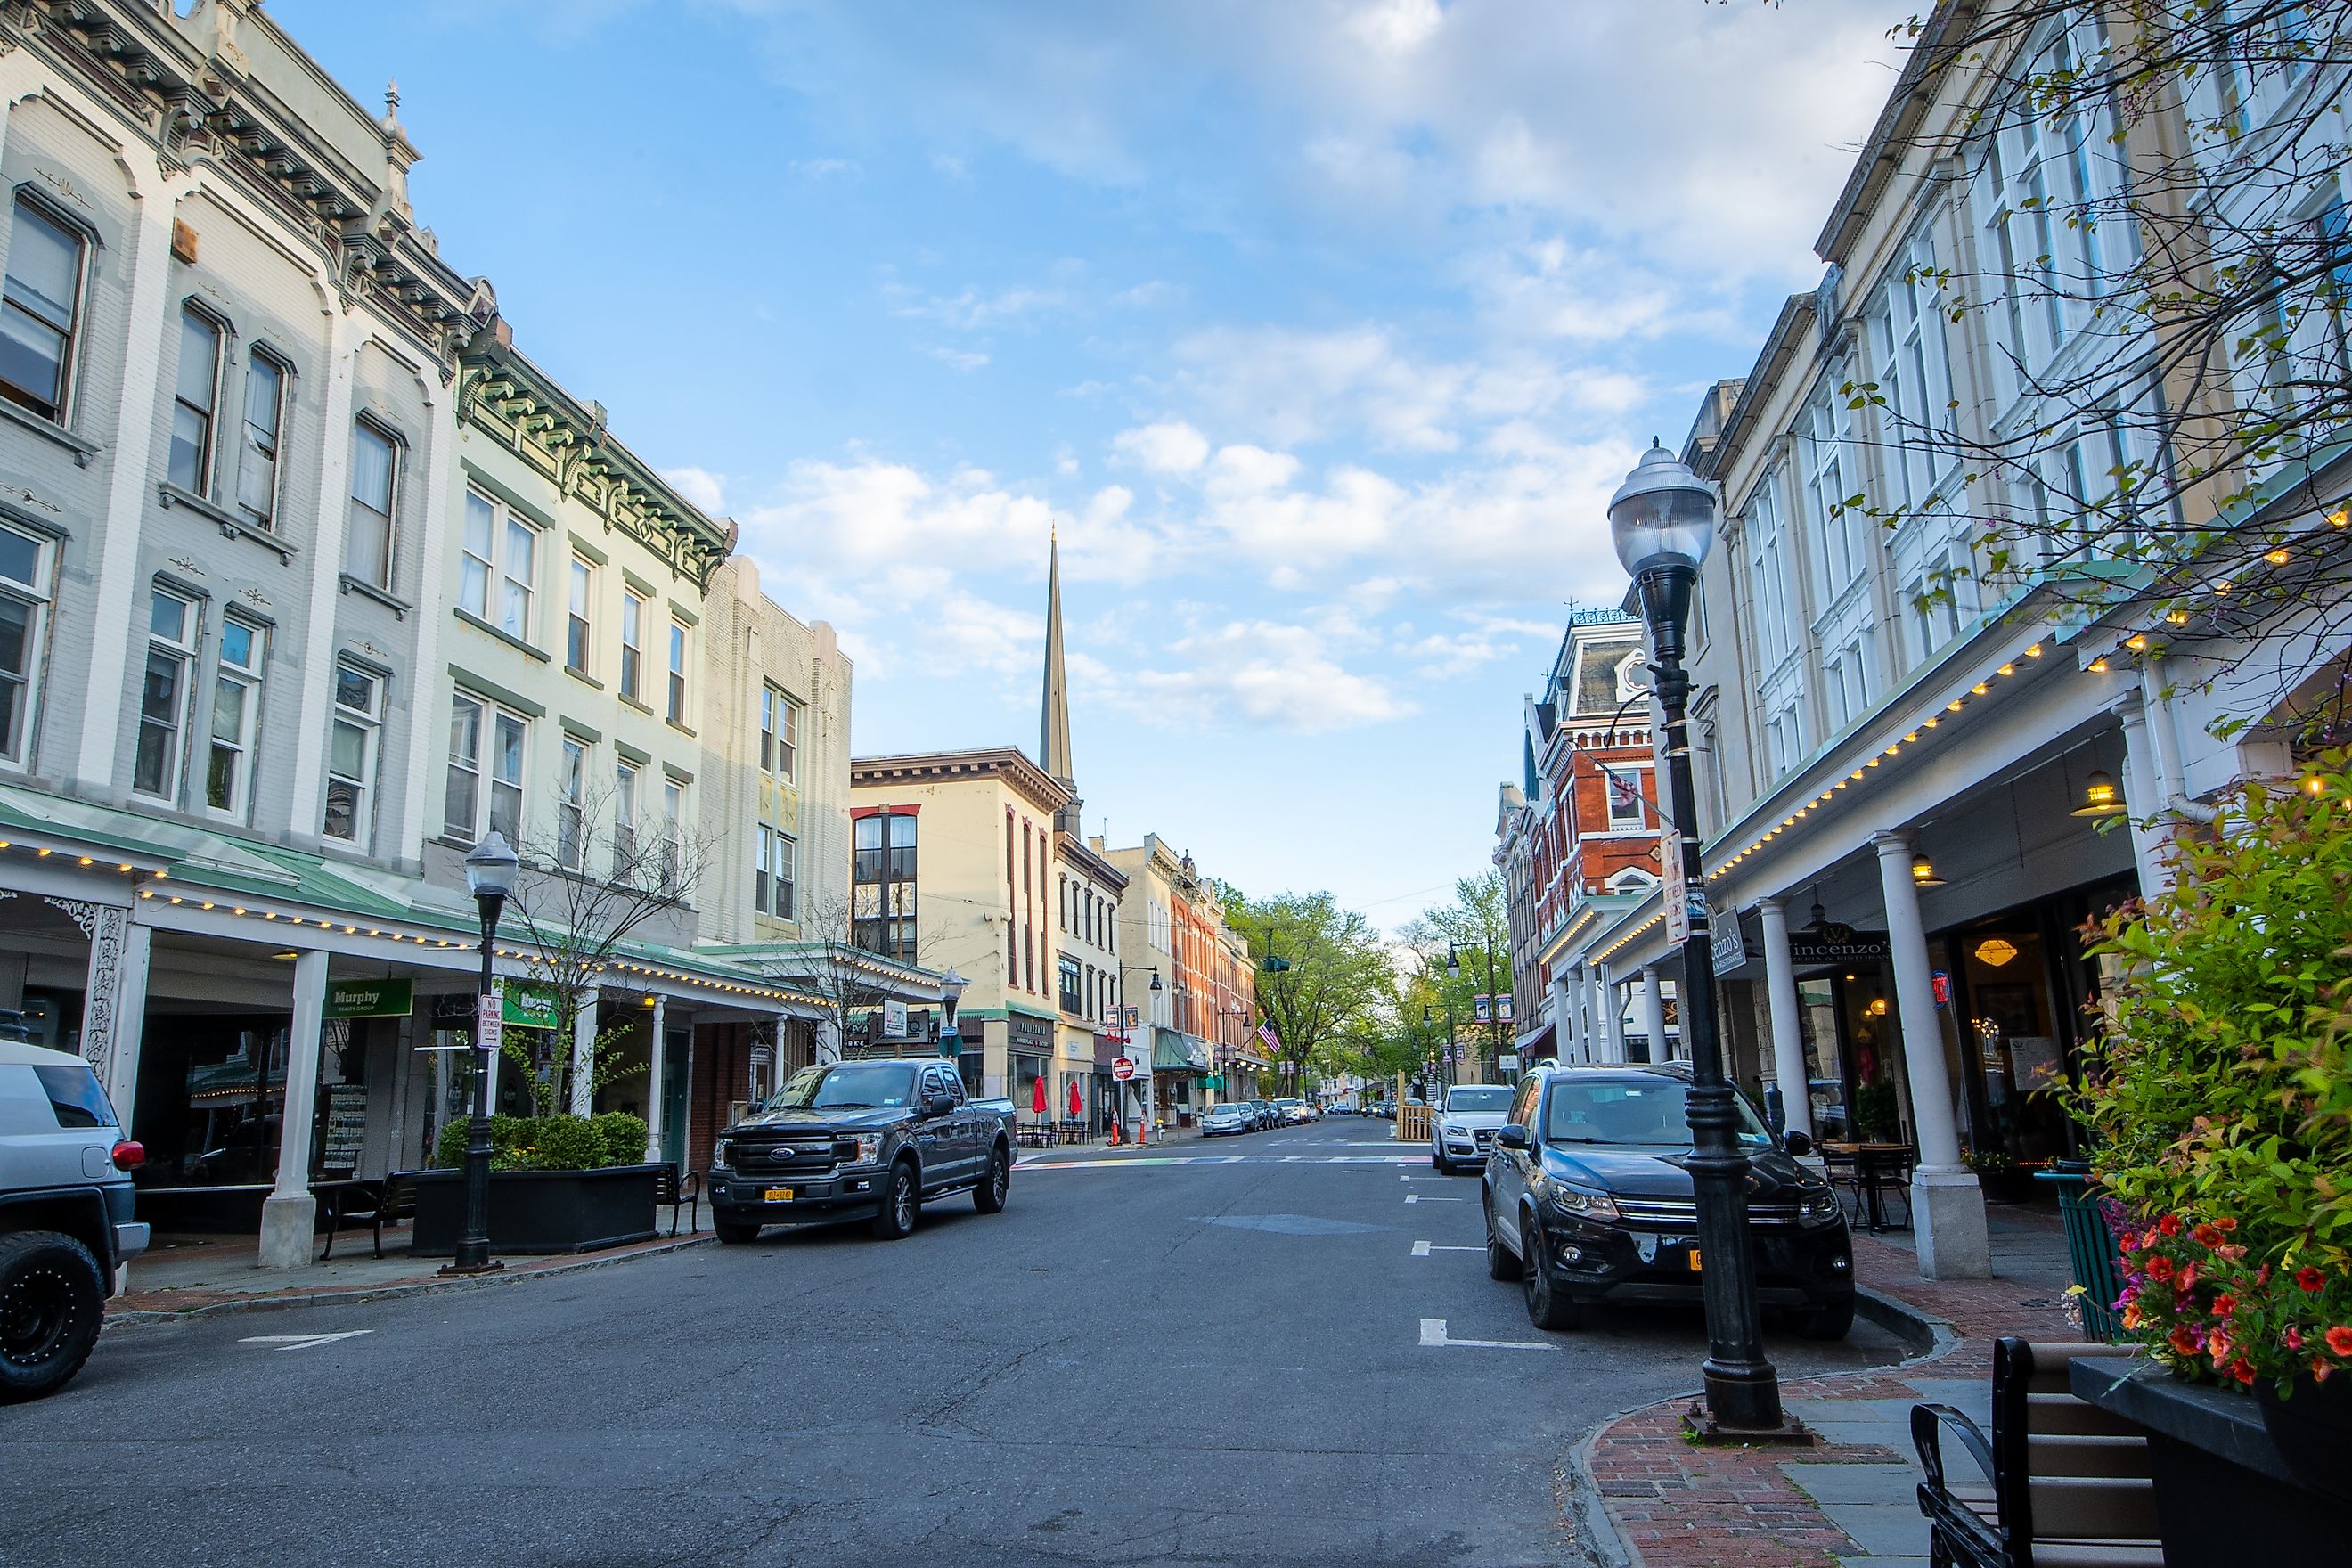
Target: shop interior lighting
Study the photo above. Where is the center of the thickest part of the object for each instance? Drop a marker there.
(1995, 950)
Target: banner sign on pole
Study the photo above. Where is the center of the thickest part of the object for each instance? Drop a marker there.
(1484, 1006)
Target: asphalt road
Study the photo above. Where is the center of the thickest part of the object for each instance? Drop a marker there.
(1212, 1357)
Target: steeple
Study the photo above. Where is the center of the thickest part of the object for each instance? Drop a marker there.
(1054, 727)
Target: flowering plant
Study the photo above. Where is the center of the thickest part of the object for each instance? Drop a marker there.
(2220, 1091)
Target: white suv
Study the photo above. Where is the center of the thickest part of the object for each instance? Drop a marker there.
(1463, 1130)
(65, 1215)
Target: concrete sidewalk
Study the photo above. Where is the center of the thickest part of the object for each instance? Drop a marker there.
(1849, 1499)
(178, 1275)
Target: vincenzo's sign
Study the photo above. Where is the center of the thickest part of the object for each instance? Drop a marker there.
(1833, 943)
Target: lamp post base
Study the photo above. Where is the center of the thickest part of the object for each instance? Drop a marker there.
(466, 1270)
(1700, 1426)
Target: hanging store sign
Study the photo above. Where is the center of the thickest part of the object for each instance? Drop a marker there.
(532, 1007)
(370, 999)
(1728, 945)
(894, 1020)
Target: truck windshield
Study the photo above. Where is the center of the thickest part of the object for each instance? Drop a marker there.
(848, 1086)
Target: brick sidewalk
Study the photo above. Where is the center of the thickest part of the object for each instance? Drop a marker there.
(1848, 1498)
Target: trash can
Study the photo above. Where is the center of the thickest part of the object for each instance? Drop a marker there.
(2090, 1247)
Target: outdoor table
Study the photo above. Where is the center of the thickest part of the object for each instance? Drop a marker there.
(1867, 1173)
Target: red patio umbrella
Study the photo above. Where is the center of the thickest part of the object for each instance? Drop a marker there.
(1078, 1106)
(1037, 1097)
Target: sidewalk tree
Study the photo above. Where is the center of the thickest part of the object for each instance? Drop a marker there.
(2169, 313)
(590, 883)
(1322, 972)
(830, 966)
(1475, 927)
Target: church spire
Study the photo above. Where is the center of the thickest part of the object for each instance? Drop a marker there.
(1053, 729)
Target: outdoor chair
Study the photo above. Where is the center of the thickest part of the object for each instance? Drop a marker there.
(671, 1190)
(2069, 1483)
(370, 1204)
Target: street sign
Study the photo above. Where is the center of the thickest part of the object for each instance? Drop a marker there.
(489, 1022)
(1122, 1069)
(1677, 894)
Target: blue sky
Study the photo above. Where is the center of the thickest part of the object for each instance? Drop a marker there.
(1322, 327)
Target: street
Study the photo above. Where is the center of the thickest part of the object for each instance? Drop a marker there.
(1236, 1351)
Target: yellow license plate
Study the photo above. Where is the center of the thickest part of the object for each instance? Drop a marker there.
(1693, 1258)
(784, 1195)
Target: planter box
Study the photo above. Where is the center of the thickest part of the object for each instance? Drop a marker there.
(539, 1211)
(2224, 1494)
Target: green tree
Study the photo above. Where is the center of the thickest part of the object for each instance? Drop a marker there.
(1474, 930)
(1324, 975)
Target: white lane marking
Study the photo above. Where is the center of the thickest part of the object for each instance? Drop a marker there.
(1433, 1333)
(1417, 1198)
(301, 1342)
(1421, 1249)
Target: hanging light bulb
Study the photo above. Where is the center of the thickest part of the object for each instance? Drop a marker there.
(1923, 873)
(2100, 797)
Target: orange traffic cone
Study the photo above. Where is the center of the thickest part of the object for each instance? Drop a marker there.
(1141, 1140)
(1114, 1135)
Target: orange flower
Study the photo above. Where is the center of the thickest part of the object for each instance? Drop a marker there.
(2159, 1269)
(2169, 1225)
(2225, 1222)
(2309, 1279)
(2242, 1370)
(2187, 1279)
(2184, 1340)
(2320, 1369)
(2232, 1251)
(2217, 1344)
(2206, 1235)
(2132, 1319)
(2339, 1339)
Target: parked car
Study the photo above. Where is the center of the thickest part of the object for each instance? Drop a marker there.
(1586, 1200)
(65, 1215)
(1264, 1111)
(1290, 1113)
(1233, 1116)
(1383, 1108)
(1340, 1108)
(871, 1140)
(1463, 1128)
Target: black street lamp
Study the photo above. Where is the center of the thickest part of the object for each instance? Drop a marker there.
(1662, 521)
(1144, 1112)
(490, 877)
(951, 987)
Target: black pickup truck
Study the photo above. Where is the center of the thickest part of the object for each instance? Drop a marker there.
(860, 1140)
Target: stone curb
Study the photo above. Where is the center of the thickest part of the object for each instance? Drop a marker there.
(1928, 1338)
(142, 1315)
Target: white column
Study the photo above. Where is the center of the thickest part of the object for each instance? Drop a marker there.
(315, 709)
(120, 604)
(2151, 827)
(1946, 1203)
(1565, 989)
(1653, 1014)
(1612, 1016)
(657, 1061)
(1788, 1042)
(584, 1054)
(289, 1216)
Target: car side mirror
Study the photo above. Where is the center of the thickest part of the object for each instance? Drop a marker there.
(1513, 1137)
(938, 1104)
(1798, 1143)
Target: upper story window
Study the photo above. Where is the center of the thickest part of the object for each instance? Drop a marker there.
(632, 655)
(24, 598)
(163, 695)
(624, 819)
(1768, 553)
(1073, 977)
(582, 585)
(676, 709)
(40, 310)
(572, 805)
(779, 734)
(237, 718)
(500, 564)
(1829, 484)
(194, 390)
(882, 878)
(484, 739)
(1914, 377)
(774, 874)
(673, 836)
(257, 471)
(352, 745)
(375, 483)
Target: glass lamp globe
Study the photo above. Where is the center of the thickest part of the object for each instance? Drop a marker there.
(1662, 515)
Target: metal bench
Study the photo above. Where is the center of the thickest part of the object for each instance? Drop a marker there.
(370, 1204)
(2068, 1484)
(672, 1190)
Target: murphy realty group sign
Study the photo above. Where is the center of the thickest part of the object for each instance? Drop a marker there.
(370, 999)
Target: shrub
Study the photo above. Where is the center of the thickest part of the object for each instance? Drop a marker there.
(2221, 1092)
(563, 1143)
(623, 1135)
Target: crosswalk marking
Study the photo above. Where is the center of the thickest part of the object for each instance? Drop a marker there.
(1417, 1198)
(301, 1342)
(1433, 1334)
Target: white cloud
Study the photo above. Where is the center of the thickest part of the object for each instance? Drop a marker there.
(1151, 295)
(972, 310)
(826, 168)
(703, 488)
(965, 359)
(1258, 674)
(1172, 448)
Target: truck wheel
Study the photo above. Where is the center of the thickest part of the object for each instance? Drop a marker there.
(1830, 1322)
(989, 1196)
(735, 1232)
(51, 1301)
(902, 1199)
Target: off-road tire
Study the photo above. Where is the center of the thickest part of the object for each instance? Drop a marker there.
(1830, 1323)
(902, 1204)
(735, 1232)
(52, 1302)
(994, 1183)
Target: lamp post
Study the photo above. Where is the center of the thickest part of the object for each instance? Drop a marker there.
(951, 985)
(1662, 520)
(490, 877)
(1143, 1114)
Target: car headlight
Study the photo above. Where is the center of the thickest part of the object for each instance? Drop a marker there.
(1819, 1207)
(1582, 1204)
(722, 1153)
(870, 1149)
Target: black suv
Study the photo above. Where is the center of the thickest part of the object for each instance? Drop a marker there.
(1587, 1201)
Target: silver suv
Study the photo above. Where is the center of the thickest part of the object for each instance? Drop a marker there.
(65, 1215)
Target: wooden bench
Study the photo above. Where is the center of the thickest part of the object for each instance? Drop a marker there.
(2068, 1483)
(370, 1204)
(671, 1190)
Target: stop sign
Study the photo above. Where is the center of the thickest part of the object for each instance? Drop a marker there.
(1122, 1069)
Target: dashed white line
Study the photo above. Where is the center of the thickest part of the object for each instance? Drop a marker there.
(1434, 1335)
(301, 1342)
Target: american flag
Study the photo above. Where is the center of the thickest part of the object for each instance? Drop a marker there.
(1624, 788)
(1266, 1032)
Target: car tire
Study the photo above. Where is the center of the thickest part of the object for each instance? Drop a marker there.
(1830, 1323)
(1502, 1264)
(902, 1204)
(1548, 1307)
(1437, 1162)
(52, 1301)
(735, 1232)
(989, 1196)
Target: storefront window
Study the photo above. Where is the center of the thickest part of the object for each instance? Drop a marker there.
(2013, 1035)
